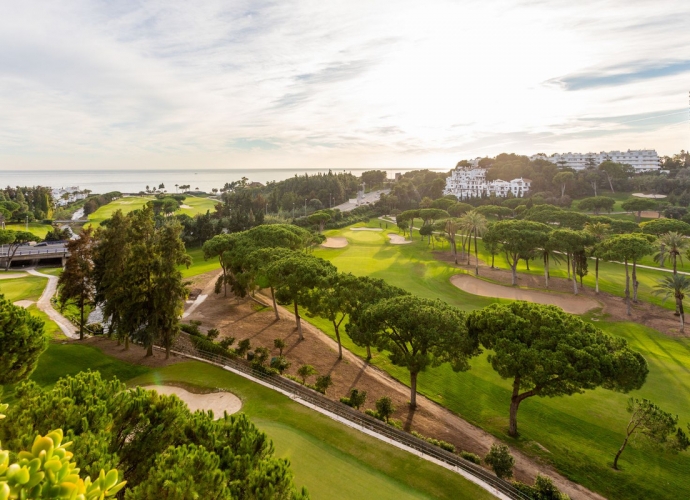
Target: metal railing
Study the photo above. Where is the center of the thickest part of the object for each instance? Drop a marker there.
(357, 418)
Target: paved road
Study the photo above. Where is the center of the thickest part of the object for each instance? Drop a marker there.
(24, 250)
(371, 198)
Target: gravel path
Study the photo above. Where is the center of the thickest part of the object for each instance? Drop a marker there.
(573, 304)
(218, 402)
(44, 305)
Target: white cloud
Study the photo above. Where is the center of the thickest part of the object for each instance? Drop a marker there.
(343, 84)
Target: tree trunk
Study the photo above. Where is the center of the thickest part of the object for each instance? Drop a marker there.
(514, 405)
(567, 256)
(639, 214)
(149, 350)
(527, 264)
(81, 320)
(337, 336)
(126, 342)
(610, 183)
(634, 280)
(167, 352)
(413, 389)
(493, 256)
(574, 275)
(620, 450)
(455, 250)
(546, 270)
(681, 313)
(596, 275)
(298, 320)
(368, 352)
(476, 255)
(513, 267)
(627, 287)
(275, 306)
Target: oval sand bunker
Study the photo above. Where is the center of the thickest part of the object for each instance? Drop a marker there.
(335, 243)
(218, 402)
(573, 304)
(396, 239)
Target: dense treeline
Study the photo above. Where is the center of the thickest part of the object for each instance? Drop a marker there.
(21, 203)
(93, 203)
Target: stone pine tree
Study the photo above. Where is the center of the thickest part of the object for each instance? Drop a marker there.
(598, 232)
(517, 238)
(13, 240)
(547, 353)
(76, 283)
(629, 248)
(295, 276)
(369, 291)
(419, 333)
(573, 244)
(217, 247)
(22, 341)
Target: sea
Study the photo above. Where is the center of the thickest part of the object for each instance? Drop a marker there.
(134, 181)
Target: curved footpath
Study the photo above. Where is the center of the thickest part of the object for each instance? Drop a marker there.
(44, 305)
(573, 304)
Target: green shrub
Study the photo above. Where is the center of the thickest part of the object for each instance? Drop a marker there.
(306, 371)
(395, 423)
(280, 364)
(243, 347)
(322, 384)
(227, 342)
(261, 356)
(543, 489)
(212, 334)
(356, 398)
(191, 328)
(436, 442)
(384, 408)
(280, 345)
(203, 344)
(500, 460)
(471, 457)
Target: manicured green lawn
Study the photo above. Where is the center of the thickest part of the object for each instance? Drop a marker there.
(330, 459)
(582, 432)
(26, 288)
(197, 205)
(199, 265)
(36, 228)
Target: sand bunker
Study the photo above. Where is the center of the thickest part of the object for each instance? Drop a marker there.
(218, 402)
(366, 229)
(334, 243)
(185, 206)
(574, 304)
(10, 276)
(655, 196)
(24, 303)
(396, 239)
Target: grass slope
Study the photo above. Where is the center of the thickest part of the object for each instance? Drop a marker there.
(582, 432)
(37, 228)
(330, 459)
(199, 265)
(28, 288)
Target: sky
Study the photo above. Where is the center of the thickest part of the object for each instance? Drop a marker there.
(337, 84)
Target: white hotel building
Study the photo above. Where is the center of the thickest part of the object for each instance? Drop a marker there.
(642, 160)
(467, 182)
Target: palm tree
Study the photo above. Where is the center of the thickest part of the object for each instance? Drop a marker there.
(673, 245)
(475, 224)
(599, 231)
(677, 285)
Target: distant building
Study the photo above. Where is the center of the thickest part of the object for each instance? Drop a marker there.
(468, 182)
(63, 196)
(642, 160)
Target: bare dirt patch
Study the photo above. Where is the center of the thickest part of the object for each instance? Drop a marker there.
(335, 242)
(136, 354)
(571, 304)
(217, 402)
(247, 319)
(650, 214)
(396, 239)
(377, 229)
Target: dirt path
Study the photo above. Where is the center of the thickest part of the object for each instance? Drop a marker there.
(208, 288)
(245, 319)
(218, 402)
(44, 305)
(335, 242)
(571, 304)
